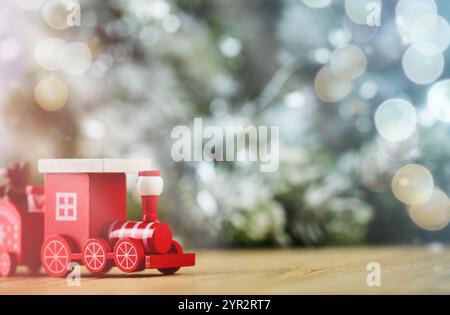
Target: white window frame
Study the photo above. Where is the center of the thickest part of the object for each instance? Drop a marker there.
(66, 206)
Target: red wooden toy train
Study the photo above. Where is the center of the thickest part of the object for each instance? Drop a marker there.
(80, 215)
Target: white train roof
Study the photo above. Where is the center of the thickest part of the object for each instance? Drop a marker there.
(93, 165)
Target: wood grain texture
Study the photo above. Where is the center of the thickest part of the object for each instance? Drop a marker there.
(404, 270)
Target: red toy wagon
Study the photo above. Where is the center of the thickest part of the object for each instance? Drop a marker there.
(85, 219)
(21, 209)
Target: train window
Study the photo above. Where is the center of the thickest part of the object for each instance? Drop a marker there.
(66, 206)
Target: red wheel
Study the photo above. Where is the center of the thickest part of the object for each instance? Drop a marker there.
(174, 249)
(129, 255)
(94, 255)
(8, 264)
(55, 256)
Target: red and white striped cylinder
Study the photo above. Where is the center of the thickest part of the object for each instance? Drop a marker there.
(156, 236)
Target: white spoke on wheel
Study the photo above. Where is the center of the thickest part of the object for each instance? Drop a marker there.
(59, 263)
(51, 264)
(51, 251)
(59, 251)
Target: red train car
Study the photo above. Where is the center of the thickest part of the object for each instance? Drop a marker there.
(85, 219)
(21, 209)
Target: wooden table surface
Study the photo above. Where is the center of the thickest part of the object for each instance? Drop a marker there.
(404, 270)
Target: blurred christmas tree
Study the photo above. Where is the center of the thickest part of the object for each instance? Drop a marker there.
(158, 64)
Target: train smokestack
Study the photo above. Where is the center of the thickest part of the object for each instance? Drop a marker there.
(149, 186)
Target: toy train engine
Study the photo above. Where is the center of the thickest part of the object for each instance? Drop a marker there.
(155, 236)
(85, 219)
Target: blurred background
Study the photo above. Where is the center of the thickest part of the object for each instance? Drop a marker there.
(358, 88)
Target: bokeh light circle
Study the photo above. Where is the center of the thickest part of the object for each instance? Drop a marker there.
(358, 10)
(29, 5)
(395, 119)
(422, 69)
(368, 90)
(408, 11)
(413, 184)
(55, 13)
(430, 35)
(46, 53)
(434, 214)
(348, 62)
(317, 3)
(51, 93)
(438, 100)
(329, 88)
(75, 58)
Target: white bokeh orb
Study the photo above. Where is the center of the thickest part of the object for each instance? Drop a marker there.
(430, 35)
(47, 53)
(438, 100)
(295, 99)
(422, 69)
(408, 11)
(368, 90)
(395, 119)
(75, 58)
